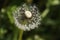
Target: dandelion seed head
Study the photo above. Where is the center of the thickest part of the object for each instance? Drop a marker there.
(27, 18)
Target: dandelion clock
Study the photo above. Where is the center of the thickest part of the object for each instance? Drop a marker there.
(26, 17)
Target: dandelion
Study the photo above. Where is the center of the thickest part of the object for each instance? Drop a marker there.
(27, 17)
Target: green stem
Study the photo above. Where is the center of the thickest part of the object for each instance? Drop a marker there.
(20, 35)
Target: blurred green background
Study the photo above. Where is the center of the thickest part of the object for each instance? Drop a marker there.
(49, 29)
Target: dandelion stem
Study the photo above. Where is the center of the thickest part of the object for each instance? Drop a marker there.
(20, 35)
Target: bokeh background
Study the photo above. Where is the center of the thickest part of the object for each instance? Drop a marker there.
(49, 29)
